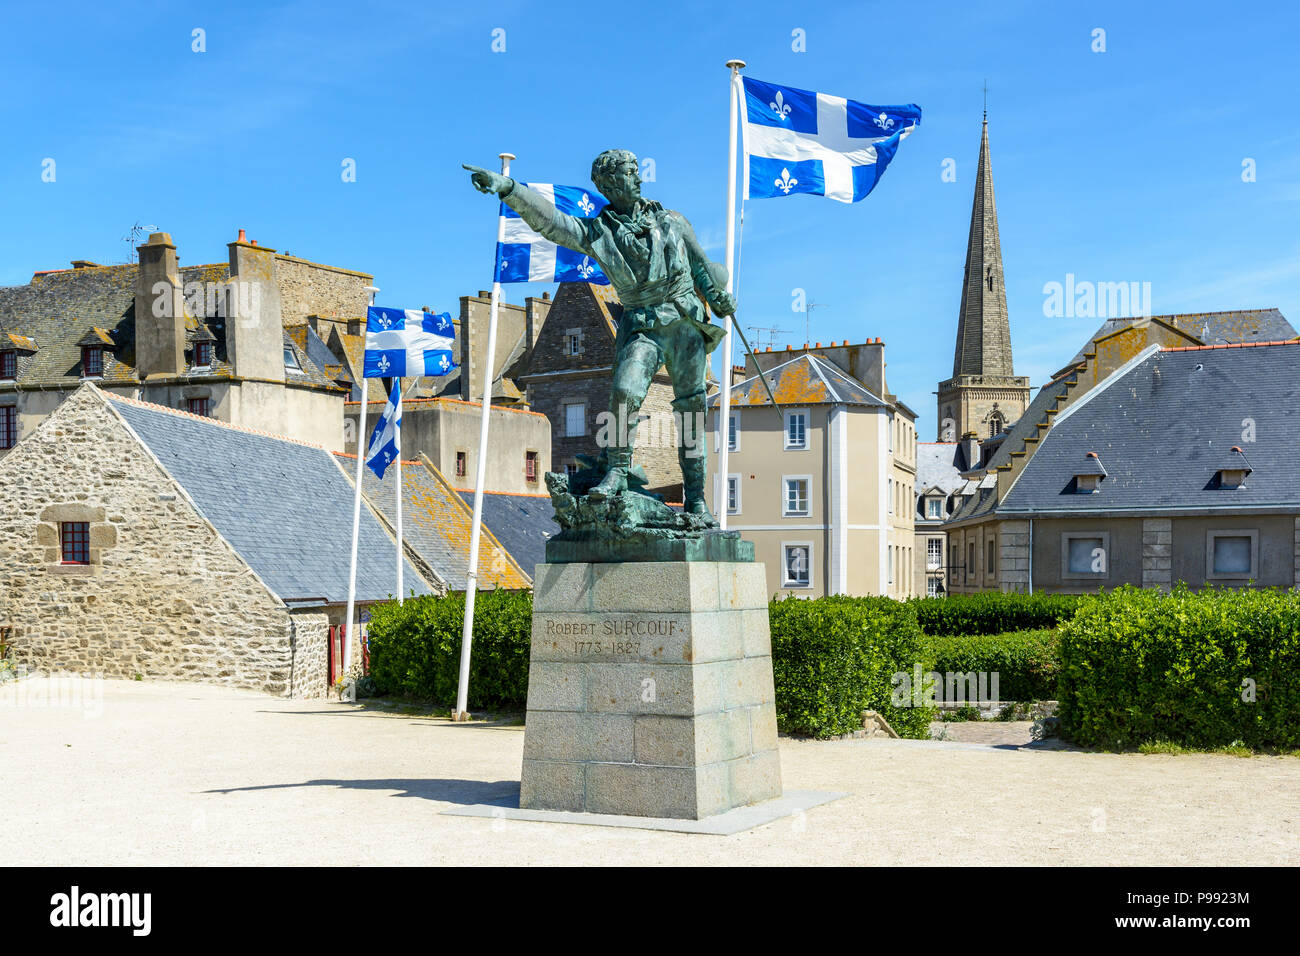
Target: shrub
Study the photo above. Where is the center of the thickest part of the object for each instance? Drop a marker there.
(415, 647)
(993, 612)
(1141, 667)
(834, 657)
(1026, 662)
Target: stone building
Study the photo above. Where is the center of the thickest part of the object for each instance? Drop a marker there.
(825, 488)
(447, 430)
(212, 339)
(1177, 466)
(569, 376)
(984, 395)
(142, 541)
(939, 467)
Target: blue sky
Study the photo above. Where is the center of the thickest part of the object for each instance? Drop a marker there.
(1117, 166)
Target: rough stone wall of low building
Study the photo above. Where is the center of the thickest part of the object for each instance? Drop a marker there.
(1013, 559)
(310, 670)
(309, 288)
(164, 597)
(1157, 553)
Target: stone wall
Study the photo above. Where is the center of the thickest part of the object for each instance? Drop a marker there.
(310, 671)
(1013, 559)
(163, 597)
(309, 288)
(1157, 553)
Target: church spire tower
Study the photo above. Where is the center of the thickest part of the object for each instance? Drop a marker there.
(984, 395)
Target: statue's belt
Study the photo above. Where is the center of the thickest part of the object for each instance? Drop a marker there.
(660, 292)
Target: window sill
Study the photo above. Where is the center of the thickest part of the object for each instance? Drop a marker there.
(71, 569)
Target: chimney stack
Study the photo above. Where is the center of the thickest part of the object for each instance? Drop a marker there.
(159, 309)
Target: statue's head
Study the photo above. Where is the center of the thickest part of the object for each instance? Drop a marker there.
(617, 175)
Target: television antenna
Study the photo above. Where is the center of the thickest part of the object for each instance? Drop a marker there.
(132, 238)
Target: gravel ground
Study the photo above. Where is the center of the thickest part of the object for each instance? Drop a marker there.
(191, 774)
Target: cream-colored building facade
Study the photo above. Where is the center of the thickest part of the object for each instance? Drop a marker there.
(824, 487)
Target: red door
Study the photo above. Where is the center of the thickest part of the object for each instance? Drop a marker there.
(336, 653)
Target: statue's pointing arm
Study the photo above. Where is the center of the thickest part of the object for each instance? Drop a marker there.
(534, 209)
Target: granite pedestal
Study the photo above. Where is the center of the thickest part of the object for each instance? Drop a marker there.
(650, 690)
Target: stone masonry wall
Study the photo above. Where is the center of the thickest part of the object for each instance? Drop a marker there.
(310, 669)
(1157, 553)
(164, 597)
(308, 288)
(1013, 559)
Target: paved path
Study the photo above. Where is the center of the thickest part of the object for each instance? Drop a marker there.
(193, 774)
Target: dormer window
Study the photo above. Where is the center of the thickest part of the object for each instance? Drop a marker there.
(92, 361)
(8, 365)
(1234, 469)
(1088, 476)
(202, 354)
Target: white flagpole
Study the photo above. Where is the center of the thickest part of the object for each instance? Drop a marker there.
(397, 431)
(356, 508)
(471, 576)
(724, 406)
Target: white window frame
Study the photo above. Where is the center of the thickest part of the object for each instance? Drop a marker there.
(929, 546)
(567, 421)
(931, 586)
(733, 478)
(733, 431)
(933, 508)
(572, 337)
(1066, 573)
(807, 421)
(785, 580)
(1214, 533)
(785, 496)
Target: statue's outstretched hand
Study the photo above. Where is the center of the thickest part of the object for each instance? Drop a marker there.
(486, 181)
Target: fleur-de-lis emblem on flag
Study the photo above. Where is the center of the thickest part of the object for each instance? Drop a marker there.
(780, 107)
(443, 363)
(586, 269)
(786, 182)
(884, 122)
(586, 205)
(385, 320)
(384, 364)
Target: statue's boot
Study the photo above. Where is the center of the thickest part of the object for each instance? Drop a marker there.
(693, 475)
(619, 458)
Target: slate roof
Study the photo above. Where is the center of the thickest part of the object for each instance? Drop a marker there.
(284, 506)
(59, 309)
(938, 465)
(1164, 428)
(804, 380)
(1212, 328)
(437, 524)
(522, 523)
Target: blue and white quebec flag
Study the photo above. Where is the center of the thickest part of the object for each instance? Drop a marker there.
(524, 256)
(407, 343)
(386, 440)
(797, 141)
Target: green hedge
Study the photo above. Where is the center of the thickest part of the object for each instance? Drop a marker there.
(1140, 667)
(993, 612)
(1027, 662)
(834, 657)
(415, 648)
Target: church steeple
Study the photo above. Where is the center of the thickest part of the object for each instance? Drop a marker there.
(984, 394)
(983, 330)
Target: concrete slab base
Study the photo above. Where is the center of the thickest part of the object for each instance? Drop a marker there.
(736, 820)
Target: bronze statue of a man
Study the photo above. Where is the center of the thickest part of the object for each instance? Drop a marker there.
(660, 272)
